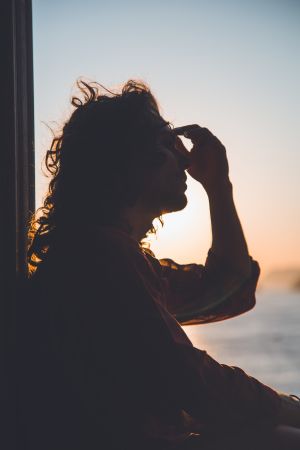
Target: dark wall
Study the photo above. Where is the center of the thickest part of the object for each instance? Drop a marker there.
(16, 189)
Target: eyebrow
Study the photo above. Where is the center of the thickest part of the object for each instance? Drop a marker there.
(168, 133)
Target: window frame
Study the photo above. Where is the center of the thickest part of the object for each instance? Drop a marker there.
(17, 190)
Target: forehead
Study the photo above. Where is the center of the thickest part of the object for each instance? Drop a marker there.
(162, 127)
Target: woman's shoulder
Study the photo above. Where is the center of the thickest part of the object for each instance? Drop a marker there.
(94, 249)
(96, 240)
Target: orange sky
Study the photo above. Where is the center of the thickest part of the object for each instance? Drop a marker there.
(233, 69)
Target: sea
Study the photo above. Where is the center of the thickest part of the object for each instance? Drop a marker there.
(264, 342)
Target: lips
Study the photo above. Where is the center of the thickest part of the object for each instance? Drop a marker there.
(183, 180)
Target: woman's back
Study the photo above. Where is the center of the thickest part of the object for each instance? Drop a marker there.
(65, 403)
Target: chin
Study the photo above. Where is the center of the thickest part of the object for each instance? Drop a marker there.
(175, 204)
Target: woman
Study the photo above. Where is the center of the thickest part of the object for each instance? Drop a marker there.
(106, 362)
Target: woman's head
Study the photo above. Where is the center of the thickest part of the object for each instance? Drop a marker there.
(99, 162)
(104, 146)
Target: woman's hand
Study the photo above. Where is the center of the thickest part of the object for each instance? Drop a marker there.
(290, 410)
(208, 160)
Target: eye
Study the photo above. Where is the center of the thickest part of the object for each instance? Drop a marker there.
(167, 139)
(169, 142)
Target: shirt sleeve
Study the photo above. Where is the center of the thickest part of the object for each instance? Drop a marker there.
(224, 396)
(199, 294)
(158, 370)
(103, 333)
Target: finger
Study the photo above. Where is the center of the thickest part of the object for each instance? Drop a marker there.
(194, 132)
(184, 129)
(197, 132)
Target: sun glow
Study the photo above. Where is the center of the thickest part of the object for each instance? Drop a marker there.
(243, 86)
(185, 236)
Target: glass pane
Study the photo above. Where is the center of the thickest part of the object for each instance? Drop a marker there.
(230, 68)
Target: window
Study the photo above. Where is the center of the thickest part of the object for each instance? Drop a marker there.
(17, 183)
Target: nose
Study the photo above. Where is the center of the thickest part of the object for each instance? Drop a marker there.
(184, 162)
(183, 153)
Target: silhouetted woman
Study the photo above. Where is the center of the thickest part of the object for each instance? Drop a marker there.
(105, 363)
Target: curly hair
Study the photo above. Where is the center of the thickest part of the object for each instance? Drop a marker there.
(97, 163)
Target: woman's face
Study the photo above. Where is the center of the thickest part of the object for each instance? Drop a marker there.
(166, 184)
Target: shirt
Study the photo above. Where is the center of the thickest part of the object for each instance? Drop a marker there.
(107, 333)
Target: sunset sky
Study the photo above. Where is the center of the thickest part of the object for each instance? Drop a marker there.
(232, 66)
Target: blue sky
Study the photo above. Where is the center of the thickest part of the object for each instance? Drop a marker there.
(232, 66)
